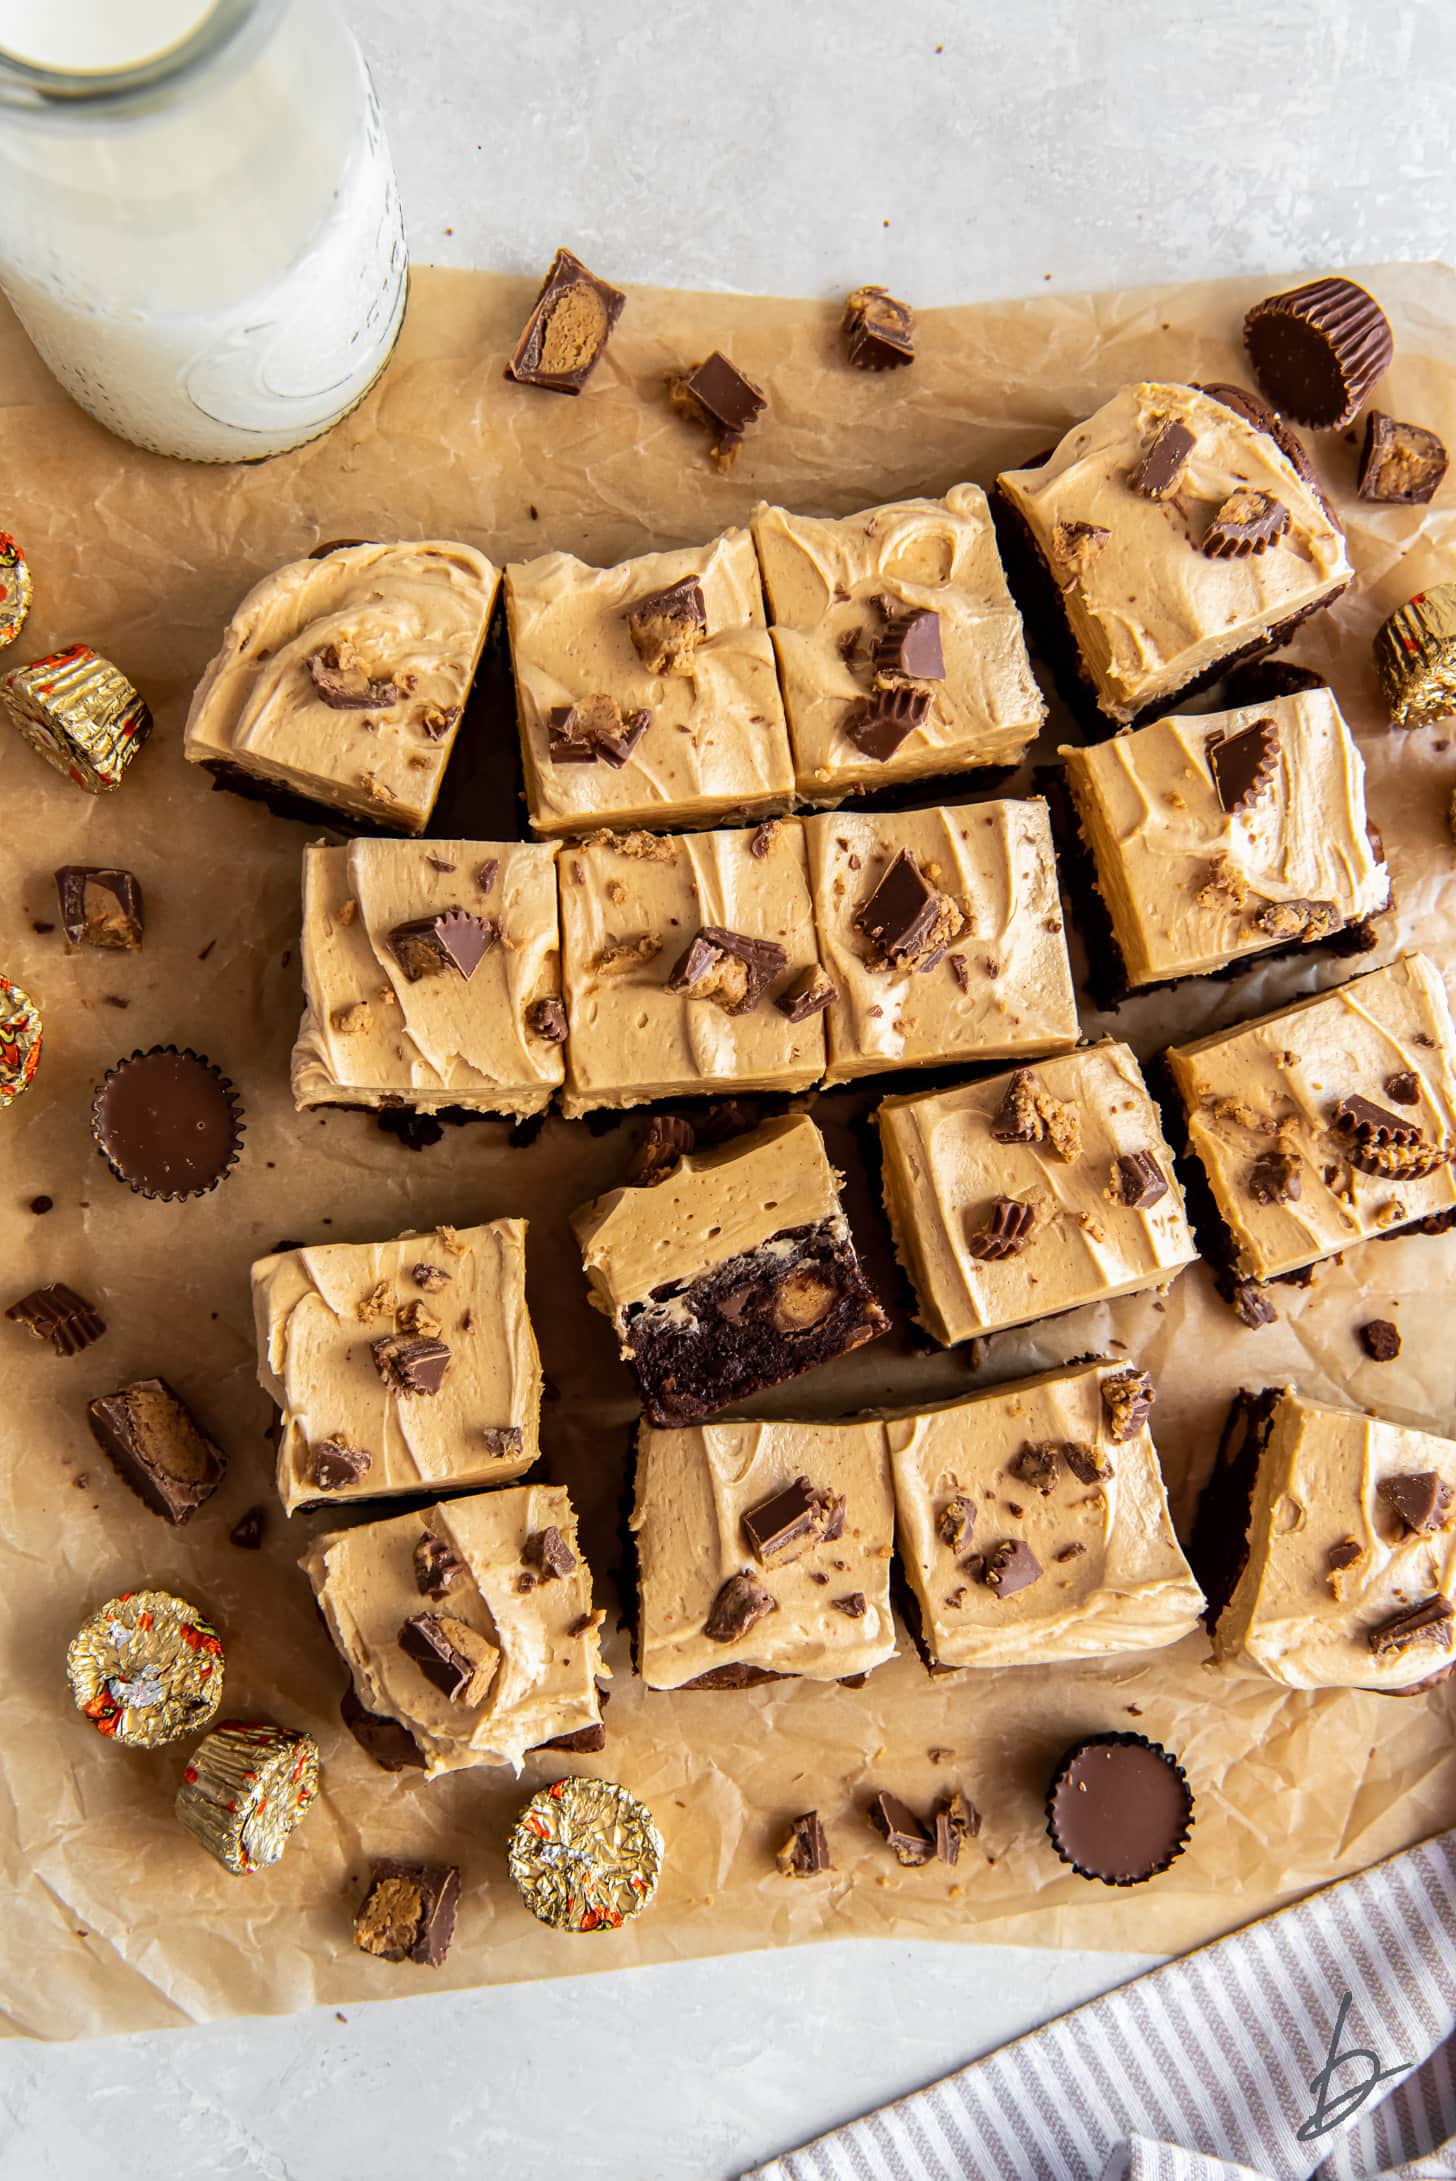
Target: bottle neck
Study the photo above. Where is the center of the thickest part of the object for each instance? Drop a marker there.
(74, 59)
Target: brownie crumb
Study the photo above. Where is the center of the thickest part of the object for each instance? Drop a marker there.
(1380, 1340)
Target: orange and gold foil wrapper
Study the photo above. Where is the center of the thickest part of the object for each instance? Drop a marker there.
(15, 589)
(1415, 657)
(20, 1036)
(247, 1787)
(80, 714)
(585, 1855)
(146, 1668)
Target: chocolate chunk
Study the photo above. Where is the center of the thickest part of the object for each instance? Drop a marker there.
(667, 1141)
(430, 1277)
(792, 1517)
(342, 683)
(334, 1463)
(955, 1521)
(1404, 1087)
(1248, 522)
(451, 940)
(905, 917)
(1427, 1622)
(1088, 1463)
(1260, 681)
(762, 838)
(570, 324)
(1244, 764)
(1252, 1303)
(594, 729)
(727, 968)
(956, 1822)
(1318, 349)
(488, 873)
(1075, 545)
(908, 648)
(1005, 1231)
(1274, 1178)
(667, 626)
(1346, 1554)
(58, 1314)
(1010, 1566)
(548, 1553)
(741, 1603)
(503, 1439)
(1039, 1464)
(155, 1445)
(1401, 464)
(408, 1912)
(878, 724)
(806, 1851)
(411, 1366)
(546, 1019)
(1380, 1340)
(100, 907)
(1422, 1501)
(1159, 471)
(1306, 921)
(248, 1531)
(902, 1830)
(879, 330)
(716, 394)
(1141, 1182)
(455, 1657)
(437, 1565)
(810, 993)
(853, 1604)
(1127, 1403)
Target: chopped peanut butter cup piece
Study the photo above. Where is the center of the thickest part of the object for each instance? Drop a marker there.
(1075, 545)
(955, 1521)
(594, 730)
(1088, 1463)
(100, 907)
(1347, 1553)
(548, 1553)
(1428, 1622)
(909, 922)
(1380, 1142)
(1404, 1087)
(1127, 1403)
(1039, 1464)
(342, 683)
(908, 649)
(1140, 1180)
(570, 324)
(1248, 522)
(742, 1602)
(727, 968)
(879, 330)
(56, 1313)
(806, 1851)
(1274, 1178)
(546, 1019)
(1306, 921)
(411, 1366)
(810, 993)
(454, 940)
(1004, 1232)
(1400, 464)
(781, 1527)
(438, 1567)
(455, 1657)
(408, 1913)
(1159, 471)
(956, 1822)
(878, 724)
(715, 393)
(667, 1142)
(667, 626)
(902, 1830)
(1011, 1566)
(1028, 1114)
(335, 1463)
(1422, 1502)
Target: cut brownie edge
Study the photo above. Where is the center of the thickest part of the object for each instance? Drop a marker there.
(1218, 1551)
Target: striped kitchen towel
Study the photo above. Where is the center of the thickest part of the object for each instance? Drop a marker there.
(1318, 2042)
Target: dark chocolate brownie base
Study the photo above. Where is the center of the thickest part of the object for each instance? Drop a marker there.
(754, 1321)
(1040, 598)
(1219, 1548)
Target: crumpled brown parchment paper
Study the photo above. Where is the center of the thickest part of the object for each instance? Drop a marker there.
(115, 1919)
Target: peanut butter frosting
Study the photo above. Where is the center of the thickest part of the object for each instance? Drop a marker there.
(831, 1595)
(716, 744)
(712, 1206)
(830, 584)
(1003, 987)
(409, 619)
(1148, 609)
(1111, 1574)
(371, 1033)
(544, 1631)
(631, 906)
(1268, 1090)
(945, 1172)
(1189, 886)
(317, 1312)
(1297, 1618)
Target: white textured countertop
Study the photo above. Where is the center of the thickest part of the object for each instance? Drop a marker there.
(953, 149)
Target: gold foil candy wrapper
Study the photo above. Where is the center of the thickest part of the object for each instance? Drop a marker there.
(15, 589)
(146, 1668)
(585, 1855)
(1415, 657)
(20, 1036)
(80, 714)
(248, 1785)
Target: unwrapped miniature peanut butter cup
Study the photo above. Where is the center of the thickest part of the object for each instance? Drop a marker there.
(1318, 349)
(1415, 657)
(20, 1039)
(247, 1787)
(1119, 1809)
(167, 1123)
(585, 1855)
(146, 1668)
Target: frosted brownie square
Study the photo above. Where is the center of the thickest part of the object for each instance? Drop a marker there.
(343, 679)
(1032, 1193)
(735, 1273)
(1326, 1543)
(1033, 1524)
(763, 1549)
(1328, 1121)
(403, 1366)
(680, 957)
(1174, 536)
(646, 693)
(513, 1655)
(941, 932)
(431, 976)
(1218, 836)
(901, 653)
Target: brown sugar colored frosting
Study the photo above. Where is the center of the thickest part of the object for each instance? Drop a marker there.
(167, 1123)
(1119, 1808)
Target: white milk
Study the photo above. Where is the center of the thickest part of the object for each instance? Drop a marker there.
(214, 267)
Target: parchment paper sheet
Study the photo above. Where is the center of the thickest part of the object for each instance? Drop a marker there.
(115, 1920)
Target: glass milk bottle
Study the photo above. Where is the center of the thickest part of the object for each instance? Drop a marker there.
(199, 225)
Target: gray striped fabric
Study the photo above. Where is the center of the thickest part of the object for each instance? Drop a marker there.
(1320, 2042)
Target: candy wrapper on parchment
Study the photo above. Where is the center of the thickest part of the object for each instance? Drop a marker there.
(1290, 1789)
